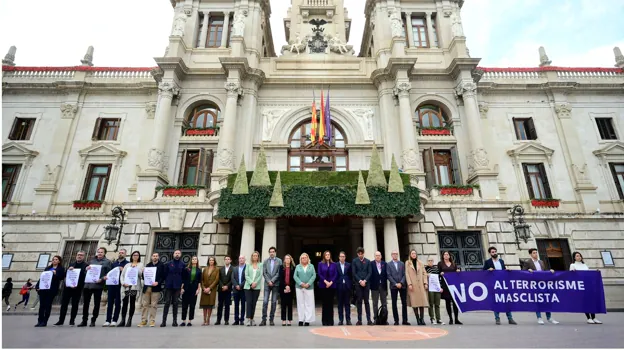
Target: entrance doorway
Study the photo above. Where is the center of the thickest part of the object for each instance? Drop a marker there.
(555, 253)
(465, 247)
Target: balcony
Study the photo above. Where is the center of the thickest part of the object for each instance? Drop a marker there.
(318, 7)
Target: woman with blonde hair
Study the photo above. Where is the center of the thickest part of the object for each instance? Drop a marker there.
(209, 281)
(287, 284)
(417, 286)
(253, 276)
(304, 278)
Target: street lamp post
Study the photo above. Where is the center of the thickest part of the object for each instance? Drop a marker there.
(521, 229)
(114, 230)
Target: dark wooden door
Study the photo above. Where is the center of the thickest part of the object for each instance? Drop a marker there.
(465, 247)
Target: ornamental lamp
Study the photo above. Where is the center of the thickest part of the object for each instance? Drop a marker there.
(114, 230)
(522, 230)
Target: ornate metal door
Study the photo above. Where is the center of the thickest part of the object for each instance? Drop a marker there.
(169, 242)
(465, 248)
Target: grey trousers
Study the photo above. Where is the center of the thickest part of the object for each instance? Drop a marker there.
(382, 294)
(273, 291)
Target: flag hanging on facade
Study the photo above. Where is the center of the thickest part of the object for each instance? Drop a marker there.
(328, 129)
(321, 128)
(313, 131)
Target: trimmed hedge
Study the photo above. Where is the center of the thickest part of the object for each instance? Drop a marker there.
(318, 178)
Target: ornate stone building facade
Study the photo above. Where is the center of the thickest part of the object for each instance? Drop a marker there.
(78, 141)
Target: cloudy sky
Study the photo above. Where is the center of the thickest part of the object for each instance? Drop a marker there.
(129, 33)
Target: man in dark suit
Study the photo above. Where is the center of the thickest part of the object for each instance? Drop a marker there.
(396, 276)
(343, 286)
(175, 275)
(362, 271)
(225, 291)
(535, 264)
(496, 263)
(379, 284)
(238, 283)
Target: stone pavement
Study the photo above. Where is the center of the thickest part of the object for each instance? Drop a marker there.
(478, 331)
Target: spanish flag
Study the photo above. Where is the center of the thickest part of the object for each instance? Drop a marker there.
(313, 131)
(321, 126)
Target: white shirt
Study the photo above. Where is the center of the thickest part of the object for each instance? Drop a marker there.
(497, 264)
(342, 267)
(578, 266)
(227, 268)
(538, 266)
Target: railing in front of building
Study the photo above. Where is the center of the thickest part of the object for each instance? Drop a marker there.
(566, 73)
(320, 3)
(69, 73)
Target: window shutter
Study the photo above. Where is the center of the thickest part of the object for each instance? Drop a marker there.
(542, 244)
(567, 255)
(527, 178)
(96, 129)
(617, 182)
(30, 127)
(87, 182)
(531, 132)
(429, 167)
(208, 166)
(199, 177)
(542, 171)
(13, 131)
(181, 178)
(457, 178)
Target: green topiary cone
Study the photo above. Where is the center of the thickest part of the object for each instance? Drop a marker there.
(376, 177)
(395, 184)
(276, 198)
(240, 185)
(260, 176)
(362, 195)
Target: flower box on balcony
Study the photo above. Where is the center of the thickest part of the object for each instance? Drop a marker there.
(179, 191)
(4, 204)
(435, 132)
(545, 203)
(201, 132)
(87, 205)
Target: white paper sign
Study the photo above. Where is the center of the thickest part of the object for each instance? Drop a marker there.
(93, 274)
(149, 276)
(112, 278)
(132, 276)
(71, 279)
(45, 281)
(434, 283)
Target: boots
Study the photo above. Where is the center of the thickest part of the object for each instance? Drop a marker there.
(129, 323)
(123, 322)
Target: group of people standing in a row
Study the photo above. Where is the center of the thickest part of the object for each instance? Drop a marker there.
(217, 286)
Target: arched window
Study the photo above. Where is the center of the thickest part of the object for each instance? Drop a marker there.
(304, 155)
(431, 116)
(204, 116)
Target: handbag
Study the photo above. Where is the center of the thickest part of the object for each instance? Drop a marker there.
(23, 291)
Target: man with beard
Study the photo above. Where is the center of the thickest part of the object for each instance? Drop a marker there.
(496, 263)
(114, 292)
(151, 294)
(73, 293)
(175, 273)
(95, 289)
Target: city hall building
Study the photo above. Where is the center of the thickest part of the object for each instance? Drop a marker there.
(167, 144)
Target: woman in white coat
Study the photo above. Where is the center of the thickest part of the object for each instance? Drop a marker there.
(304, 279)
(579, 265)
(130, 292)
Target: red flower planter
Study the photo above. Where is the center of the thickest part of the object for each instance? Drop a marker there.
(87, 206)
(545, 203)
(180, 192)
(452, 191)
(201, 132)
(435, 132)
(4, 204)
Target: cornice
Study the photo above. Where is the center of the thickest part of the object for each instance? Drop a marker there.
(176, 64)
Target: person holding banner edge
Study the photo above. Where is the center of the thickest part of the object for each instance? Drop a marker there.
(447, 264)
(496, 263)
(535, 264)
(579, 265)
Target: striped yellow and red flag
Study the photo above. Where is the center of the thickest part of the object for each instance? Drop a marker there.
(314, 123)
(321, 125)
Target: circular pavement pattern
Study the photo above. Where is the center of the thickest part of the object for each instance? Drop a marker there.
(380, 333)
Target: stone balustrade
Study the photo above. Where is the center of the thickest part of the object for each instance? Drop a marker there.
(541, 73)
(121, 74)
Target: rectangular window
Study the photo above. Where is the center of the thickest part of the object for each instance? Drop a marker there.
(106, 129)
(96, 182)
(441, 167)
(606, 129)
(618, 175)
(536, 181)
(196, 167)
(525, 129)
(419, 29)
(10, 173)
(22, 129)
(215, 31)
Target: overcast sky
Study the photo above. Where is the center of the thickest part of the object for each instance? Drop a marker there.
(129, 33)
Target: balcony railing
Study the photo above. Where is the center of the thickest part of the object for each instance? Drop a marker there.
(540, 73)
(319, 3)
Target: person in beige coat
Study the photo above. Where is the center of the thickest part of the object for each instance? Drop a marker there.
(209, 283)
(417, 286)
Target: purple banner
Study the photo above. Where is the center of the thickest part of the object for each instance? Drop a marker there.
(502, 291)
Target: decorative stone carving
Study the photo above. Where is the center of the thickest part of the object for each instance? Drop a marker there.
(226, 158)
(178, 25)
(478, 159)
(448, 13)
(563, 110)
(364, 117)
(168, 89)
(188, 12)
(581, 173)
(298, 44)
(233, 88)
(238, 26)
(50, 176)
(544, 61)
(619, 58)
(9, 58)
(456, 25)
(270, 118)
(150, 109)
(88, 57)
(329, 14)
(155, 159)
(402, 89)
(410, 159)
(318, 42)
(69, 110)
(483, 109)
(396, 24)
(338, 46)
(466, 89)
(305, 13)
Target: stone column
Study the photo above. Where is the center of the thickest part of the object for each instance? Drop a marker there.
(370, 238)
(409, 143)
(478, 158)
(248, 238)
(156, 155)
(226, 29)
(391, 238)
(410, 32)
(204, 32)
(227, 136)
(269, 237)
(430, 36)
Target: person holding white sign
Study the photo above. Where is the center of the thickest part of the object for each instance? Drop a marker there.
(435, 292)
(154, 279)
(71, 292)
(131, 281)
(114, 292)
(47, 295)
(94, 289)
